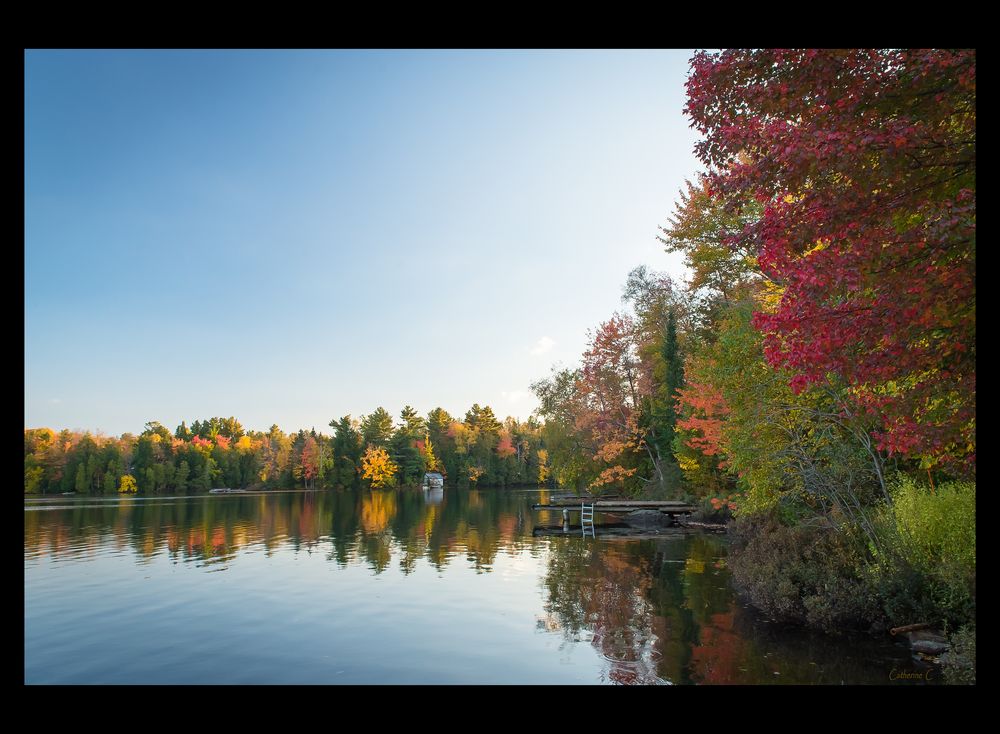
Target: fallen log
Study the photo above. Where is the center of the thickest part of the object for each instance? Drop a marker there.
(713, 526)
(909, 628)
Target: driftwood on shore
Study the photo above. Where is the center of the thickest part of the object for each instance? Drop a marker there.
(714, 527)
(909, 628)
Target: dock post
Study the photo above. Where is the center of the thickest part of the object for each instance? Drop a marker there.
(565, 521)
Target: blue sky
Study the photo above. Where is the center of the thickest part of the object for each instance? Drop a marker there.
(292, 236)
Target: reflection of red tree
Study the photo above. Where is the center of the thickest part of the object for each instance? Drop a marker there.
(616, 607)
(219, 538)
(717, 657)
(307, 521)
(507, 525)
(195, 540)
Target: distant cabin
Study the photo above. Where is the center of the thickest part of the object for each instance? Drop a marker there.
(433, 479)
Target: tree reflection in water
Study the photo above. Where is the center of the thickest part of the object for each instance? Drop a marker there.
(619, 593)
(656, 610)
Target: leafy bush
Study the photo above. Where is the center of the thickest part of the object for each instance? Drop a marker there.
(806, 574)
(927, 571)
(713, 509)
(959, 664)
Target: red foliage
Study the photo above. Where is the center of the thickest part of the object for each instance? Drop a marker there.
(310, 459)
(608, 391)
(704, 410)
(505, 447)
(865, 161)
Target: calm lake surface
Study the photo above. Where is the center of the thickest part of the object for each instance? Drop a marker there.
(403, 586)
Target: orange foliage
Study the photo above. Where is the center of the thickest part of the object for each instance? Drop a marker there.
(612, 474)
(705, 410)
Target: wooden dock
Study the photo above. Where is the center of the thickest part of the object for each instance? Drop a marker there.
(667, 507)
(614, 531)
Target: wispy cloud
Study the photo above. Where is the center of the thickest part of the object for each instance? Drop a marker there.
(542, 346)
(513, 395)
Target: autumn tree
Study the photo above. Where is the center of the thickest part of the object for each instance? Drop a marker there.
(378, 468)
(569, 446)
(310, 461)
(864, 164)
(704, 228)
(425, 448)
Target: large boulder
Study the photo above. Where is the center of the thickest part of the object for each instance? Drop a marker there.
(928, 642)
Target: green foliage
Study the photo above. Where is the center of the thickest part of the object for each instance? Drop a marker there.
(927, 569)
(80, 485)
(181, 476)
(346, 457)
(482, 419)
(786, 447)
(406, 457)
(377, 429)
(959, 663)
(32, 477)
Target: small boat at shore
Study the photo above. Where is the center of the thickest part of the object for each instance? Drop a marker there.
(226, 490)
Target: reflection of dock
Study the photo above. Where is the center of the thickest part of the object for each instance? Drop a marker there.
(667, 507)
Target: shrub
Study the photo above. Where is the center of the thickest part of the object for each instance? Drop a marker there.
(927, 572)
(959, 663)
(714, 509)
(806, 573)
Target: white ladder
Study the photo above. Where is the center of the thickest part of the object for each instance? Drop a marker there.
(587, 519)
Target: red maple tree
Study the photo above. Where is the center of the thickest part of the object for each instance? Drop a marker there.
(864, 161)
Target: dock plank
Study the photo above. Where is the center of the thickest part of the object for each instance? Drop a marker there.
(669, 507)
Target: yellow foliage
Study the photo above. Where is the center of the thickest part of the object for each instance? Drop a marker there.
(377, 467)
(127, 484)
(377, 510)
(687, 463)
(543, 465)
(770, 296)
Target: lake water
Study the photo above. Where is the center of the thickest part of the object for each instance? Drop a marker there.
(400, 587)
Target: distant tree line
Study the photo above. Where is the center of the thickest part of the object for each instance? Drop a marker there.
(373, 451)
